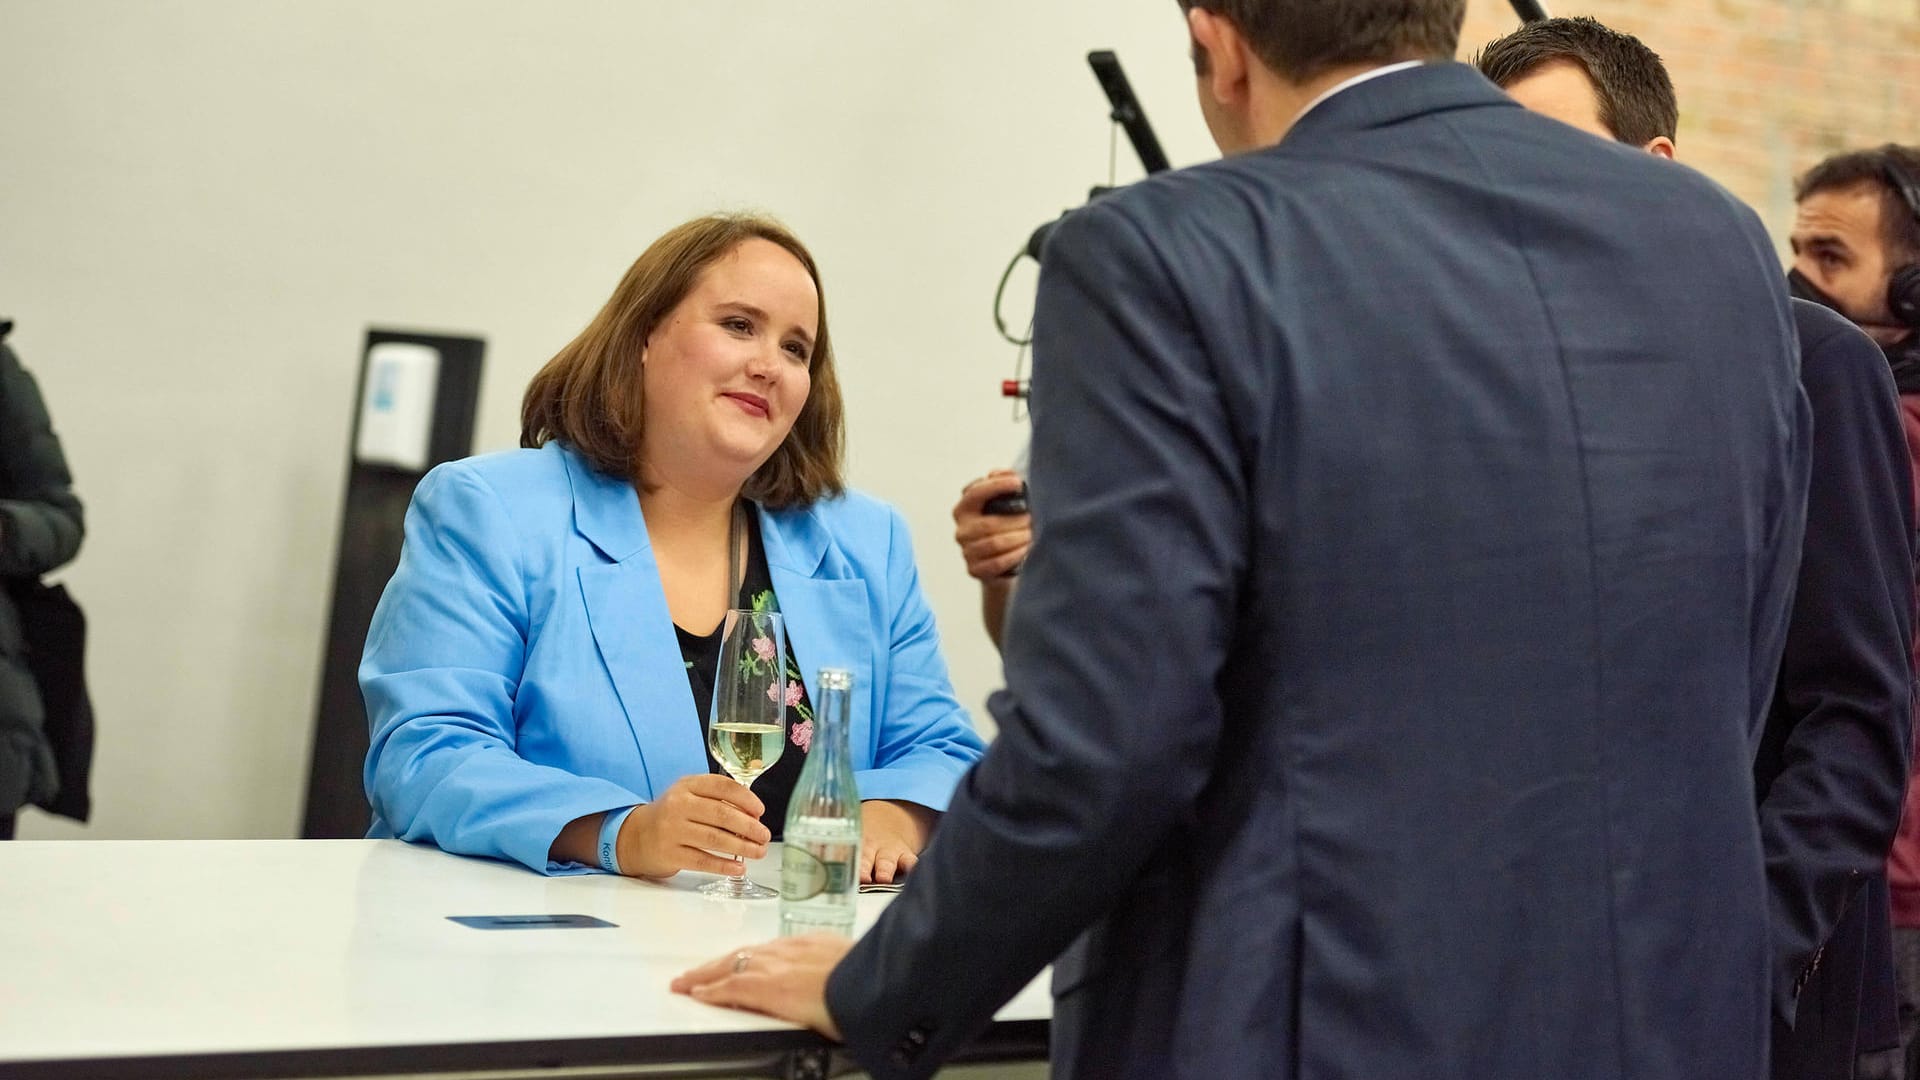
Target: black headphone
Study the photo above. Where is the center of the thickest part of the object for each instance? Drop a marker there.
(1903, 285)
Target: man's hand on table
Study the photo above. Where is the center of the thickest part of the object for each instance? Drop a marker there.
(785, 978)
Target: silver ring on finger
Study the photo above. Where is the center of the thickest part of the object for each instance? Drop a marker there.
(740, 961)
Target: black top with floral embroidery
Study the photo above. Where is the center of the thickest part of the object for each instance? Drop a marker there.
(702, 656)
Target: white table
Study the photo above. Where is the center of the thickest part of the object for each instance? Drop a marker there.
(279, 958)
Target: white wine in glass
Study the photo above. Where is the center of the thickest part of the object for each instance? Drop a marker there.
(746, 750)
(748, 728)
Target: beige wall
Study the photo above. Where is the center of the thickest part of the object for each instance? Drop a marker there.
(204, 203)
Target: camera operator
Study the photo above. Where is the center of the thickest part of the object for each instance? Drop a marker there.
(1856, 247)
(993, 540)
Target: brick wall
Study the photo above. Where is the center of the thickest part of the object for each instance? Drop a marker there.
(1767, 87)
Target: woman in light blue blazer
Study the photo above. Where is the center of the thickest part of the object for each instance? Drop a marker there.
(532, 671)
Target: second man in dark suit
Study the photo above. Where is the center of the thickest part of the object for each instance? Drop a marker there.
(1832, 761)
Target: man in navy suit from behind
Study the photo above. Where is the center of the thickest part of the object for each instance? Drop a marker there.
(1412, 561)
(1832, 764)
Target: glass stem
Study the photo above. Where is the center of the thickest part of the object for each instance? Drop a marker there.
(739, 877)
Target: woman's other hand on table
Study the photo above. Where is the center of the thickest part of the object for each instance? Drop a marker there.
(892, 835)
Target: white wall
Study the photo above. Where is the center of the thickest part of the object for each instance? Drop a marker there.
(204, 204)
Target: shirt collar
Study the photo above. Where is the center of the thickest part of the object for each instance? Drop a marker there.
(1349, 84)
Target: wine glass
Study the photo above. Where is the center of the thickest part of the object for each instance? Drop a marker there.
(748, 728)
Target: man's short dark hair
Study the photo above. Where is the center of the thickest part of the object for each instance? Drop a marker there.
(1299, 39)
(1636, 96)
(1899, 223)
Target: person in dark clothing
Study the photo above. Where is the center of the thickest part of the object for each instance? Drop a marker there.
(1833, 756)
(1856, 249)
(40, 530)
(1832, 760)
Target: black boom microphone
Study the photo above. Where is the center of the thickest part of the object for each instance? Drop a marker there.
(1126, 112)
(1530, 10)
(1126, 109)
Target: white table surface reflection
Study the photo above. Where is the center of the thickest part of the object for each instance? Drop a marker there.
(280, 958)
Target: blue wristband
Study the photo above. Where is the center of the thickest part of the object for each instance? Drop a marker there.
(610, 839)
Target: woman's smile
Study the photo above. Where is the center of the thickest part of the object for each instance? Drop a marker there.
(750, 403)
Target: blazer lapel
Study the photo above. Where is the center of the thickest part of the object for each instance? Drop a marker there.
(826, 617)
(627, 612)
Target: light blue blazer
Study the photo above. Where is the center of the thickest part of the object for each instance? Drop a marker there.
(522, 670)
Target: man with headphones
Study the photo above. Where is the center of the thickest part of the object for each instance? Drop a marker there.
(1856, 248)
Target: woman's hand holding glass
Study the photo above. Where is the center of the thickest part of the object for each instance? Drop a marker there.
(697, 817)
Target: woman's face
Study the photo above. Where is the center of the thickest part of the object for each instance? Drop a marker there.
(726, 372)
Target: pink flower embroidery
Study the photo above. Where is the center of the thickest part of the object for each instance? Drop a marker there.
(773, 691)
(802, 735)
(763, 648)
(794, 691)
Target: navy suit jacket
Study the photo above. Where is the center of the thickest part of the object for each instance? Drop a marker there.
(1413, 550)
(1832, 769)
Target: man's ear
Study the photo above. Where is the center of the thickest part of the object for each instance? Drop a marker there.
(1219, 56)
(1661, 146)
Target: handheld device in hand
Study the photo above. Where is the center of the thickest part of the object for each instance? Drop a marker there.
(1014, 502)
(1127, 112)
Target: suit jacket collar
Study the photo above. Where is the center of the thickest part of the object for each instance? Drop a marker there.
(795, 540)
(606, 510)
(1398, 96)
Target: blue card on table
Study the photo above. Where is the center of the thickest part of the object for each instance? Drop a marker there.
(528, 922)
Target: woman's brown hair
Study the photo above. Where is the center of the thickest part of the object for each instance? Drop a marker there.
(588, 396)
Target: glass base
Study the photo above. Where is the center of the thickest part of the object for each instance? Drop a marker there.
(732, 888)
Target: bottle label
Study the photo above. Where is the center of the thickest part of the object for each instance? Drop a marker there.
(804, 875)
